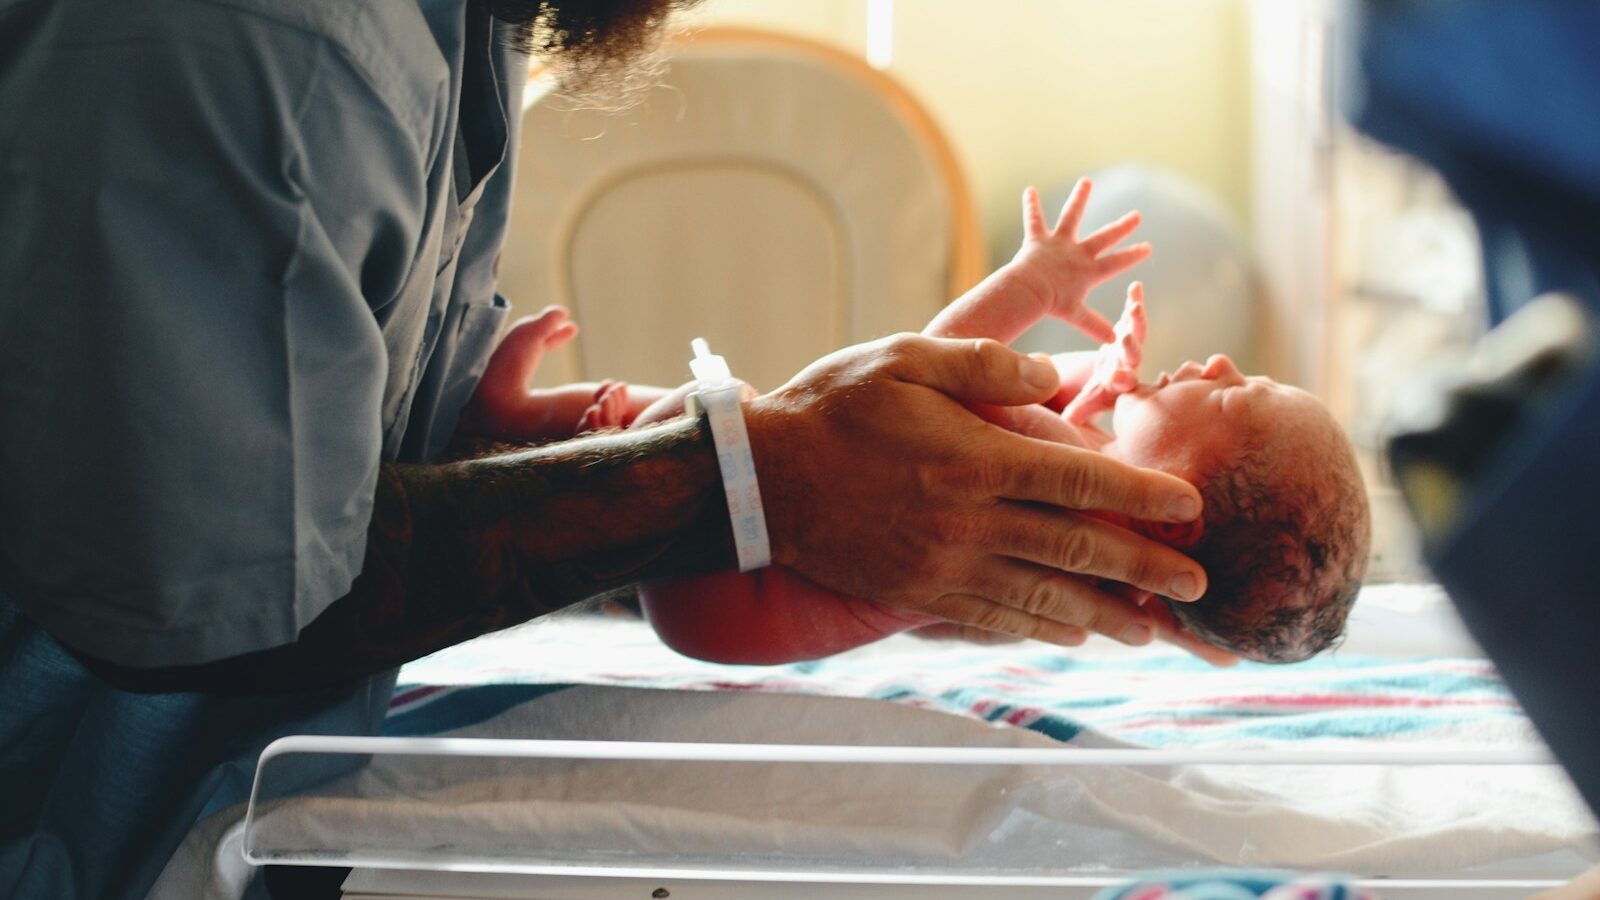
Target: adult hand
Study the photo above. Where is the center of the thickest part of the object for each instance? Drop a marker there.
(880, 483)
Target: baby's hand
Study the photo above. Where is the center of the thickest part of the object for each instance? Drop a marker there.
(608, 410)
(502, 406)
(1065, 268)
(1116, 368)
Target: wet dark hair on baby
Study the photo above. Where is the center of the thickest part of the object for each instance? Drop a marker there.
(1284, 548)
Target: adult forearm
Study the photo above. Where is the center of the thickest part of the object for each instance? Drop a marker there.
(462, 549)
(536, 530)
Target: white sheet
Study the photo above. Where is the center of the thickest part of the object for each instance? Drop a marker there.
(1374, 820)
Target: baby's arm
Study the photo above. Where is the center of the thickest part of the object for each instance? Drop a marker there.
(504, 408)
(1051, 275)
(1116, 365)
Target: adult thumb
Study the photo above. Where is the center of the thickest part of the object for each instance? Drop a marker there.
(975, 371)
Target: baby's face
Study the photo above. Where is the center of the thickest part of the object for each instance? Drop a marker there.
(1187, 422)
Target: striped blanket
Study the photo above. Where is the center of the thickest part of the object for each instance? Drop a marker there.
(1100, 695)
(1406, 675)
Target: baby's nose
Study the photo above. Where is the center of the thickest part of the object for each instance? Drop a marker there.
(1189, 369)
(1220, 366)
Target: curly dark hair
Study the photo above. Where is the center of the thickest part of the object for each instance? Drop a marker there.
(1284, 547)
(602, 51)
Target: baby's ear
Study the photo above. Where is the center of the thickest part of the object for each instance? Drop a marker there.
(1173, 534)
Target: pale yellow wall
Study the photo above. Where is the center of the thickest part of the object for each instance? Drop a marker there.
(1040, 91)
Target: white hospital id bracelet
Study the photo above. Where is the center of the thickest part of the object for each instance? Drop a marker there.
(721, 396)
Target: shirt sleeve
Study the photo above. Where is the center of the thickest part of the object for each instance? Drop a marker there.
(201, 210)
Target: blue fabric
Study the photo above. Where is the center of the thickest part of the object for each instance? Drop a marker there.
(249, 253)
(1504, 100)
(100, 786)
(1501, 99)
(1233, 884)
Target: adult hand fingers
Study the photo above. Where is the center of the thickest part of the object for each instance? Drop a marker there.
(985, 614)
(1049, 594)
(1170, 630)
(951, 631)
(1082, 479)
(1185, 640)
(1085, 545)
(1033, 421)
(981, 371)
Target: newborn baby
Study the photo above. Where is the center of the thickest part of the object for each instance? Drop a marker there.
(1284, 533)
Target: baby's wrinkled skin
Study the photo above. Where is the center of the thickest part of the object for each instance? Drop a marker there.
(774, 616)
(1188, 424)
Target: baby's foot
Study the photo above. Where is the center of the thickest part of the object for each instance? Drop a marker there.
(609, 408)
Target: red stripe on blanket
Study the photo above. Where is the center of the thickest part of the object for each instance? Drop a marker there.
(1345, 700)
(1171, 723)
(416, 693)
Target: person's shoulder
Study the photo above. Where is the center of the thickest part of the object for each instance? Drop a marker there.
(386, 45)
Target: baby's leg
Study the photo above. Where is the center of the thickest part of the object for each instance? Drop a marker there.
(765, 617)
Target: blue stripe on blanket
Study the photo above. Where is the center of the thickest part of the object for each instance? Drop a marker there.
(451, 709)
(1167, 699)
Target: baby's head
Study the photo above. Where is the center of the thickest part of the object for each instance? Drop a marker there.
(1285, 530)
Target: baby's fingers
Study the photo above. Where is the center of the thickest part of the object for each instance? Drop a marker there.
(1033, 214)
(1120, 261)
(1072, 210)
(1170, 630)
(1112, 234)
(1135, 312)
(1130, 349)
(1090, 402)
(560, 336)
(1089, 321)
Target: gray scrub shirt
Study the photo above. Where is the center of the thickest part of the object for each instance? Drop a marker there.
(247, 251)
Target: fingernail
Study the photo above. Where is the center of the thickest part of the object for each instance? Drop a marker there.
(1042, 374)
(1183, 509)
(1184, 586)
(1137, 635)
